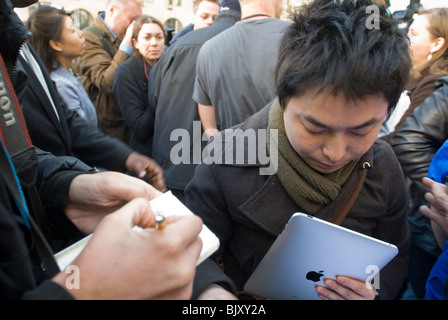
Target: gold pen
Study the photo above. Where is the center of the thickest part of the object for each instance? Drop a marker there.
(160, 221)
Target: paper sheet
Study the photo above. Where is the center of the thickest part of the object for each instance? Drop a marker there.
(166, 204)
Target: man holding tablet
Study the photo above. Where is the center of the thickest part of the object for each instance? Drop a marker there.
(340, 71)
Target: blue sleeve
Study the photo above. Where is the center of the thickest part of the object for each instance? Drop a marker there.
(435, 285)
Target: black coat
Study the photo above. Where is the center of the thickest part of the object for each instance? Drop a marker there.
(248, 210)
(131, 91)
(70, 135)
(415, 142)
(17, 275)
(170, 94)
(20, 272)
(21, 276)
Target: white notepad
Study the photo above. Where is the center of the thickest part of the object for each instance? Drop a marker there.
(166, 204)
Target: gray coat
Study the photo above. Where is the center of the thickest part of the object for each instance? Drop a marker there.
(247, 211)
(170, 90)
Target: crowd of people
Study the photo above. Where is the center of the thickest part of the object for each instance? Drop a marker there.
(331, 98)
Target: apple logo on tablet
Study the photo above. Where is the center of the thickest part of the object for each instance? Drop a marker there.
(314, 276)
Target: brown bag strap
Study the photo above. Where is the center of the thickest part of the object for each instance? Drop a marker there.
(345, 207)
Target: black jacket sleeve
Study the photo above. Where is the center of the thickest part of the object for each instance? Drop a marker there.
(48, 290)
(209, 273)
(417, 139)
(94, 147)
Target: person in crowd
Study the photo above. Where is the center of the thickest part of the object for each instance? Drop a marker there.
(175, 72)
(108, 44)
(253, 45)
(205, 12)
(58, 41)
(131, 81)
(428, 36)
(111, 204)
(415, 143)
(57, 129)
(436, 211)
(321, 131)
(108, 203)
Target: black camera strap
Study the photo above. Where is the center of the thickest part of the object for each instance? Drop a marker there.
(18, 166)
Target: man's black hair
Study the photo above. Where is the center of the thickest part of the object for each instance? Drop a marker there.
(337, 45)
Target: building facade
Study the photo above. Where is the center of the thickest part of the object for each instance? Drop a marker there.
(174, 14)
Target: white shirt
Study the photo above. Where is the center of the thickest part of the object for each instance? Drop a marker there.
(28, 56)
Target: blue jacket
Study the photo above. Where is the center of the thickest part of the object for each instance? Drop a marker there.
(437, 283)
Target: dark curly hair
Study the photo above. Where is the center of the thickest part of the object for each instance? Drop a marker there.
(332, 44)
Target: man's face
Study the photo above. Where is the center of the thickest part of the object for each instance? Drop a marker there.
(205, 15)
(22, 3)
(121, 16)
(329, 131)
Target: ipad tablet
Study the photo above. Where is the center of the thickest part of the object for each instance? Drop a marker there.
(310, 250)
